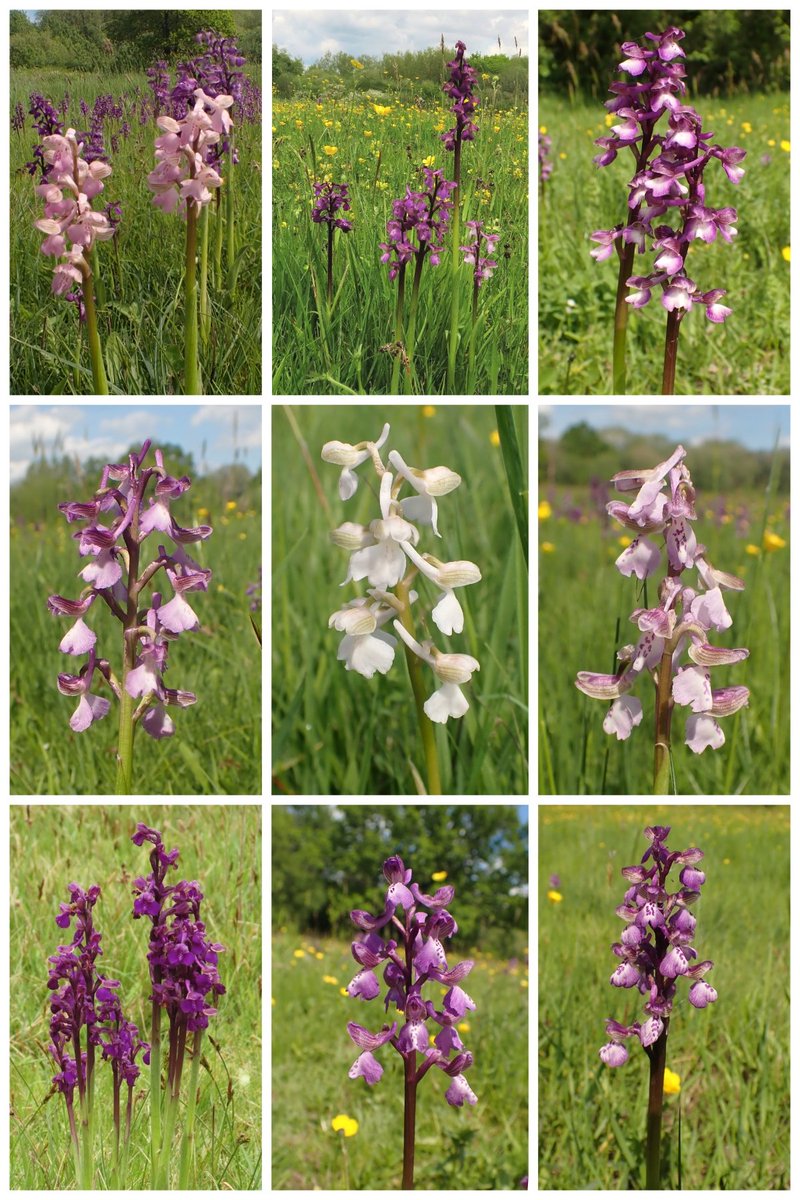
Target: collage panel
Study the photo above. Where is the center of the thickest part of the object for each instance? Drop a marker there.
(135, 997)
(676, 1074)
(399, 618)
(664, 562)
(135, 201)
(664, 202)
(135, 600)
(400, 997)
(400, 230)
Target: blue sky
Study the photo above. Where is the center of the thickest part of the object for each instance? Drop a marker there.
(753, 425)
(308, 33)
(212, 433)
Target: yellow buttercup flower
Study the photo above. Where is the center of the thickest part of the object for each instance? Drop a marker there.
(355, 63)
(299, 954)
(746, 128)
(787, 146)
(429, 410)
(429, 161)
(786, 253)
(548, 548)
(554, 897)
(494, 438)
(230, 506)
(439, 876)
(382, 110)
(347, 1125)
(545, 511)
(623, 540)
(331, 150)
(751, 549)
(329, 979)
(773, 542)
(672, 1082)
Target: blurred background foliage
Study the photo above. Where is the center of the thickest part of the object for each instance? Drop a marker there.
(717, 464)
(327, 860)
(413, 75)
(732, 51)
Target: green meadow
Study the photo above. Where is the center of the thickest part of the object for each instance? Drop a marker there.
(728, 1128)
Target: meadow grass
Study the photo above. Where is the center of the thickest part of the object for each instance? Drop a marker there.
(335, 732)
(480, 1147)
(584, 611)
(347, 351)
(141, 323)
(749, 353)
(216, 748)
(732, 1058)
(51, 846)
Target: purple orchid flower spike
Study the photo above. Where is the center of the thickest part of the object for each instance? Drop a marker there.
(131, 503)
(654, 951)
(668, 177)
(678, 627)
(417, 959)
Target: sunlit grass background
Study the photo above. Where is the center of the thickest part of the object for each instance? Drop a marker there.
(336, 733)
(732, 1058)
(749, 354)
(480, 1147)
(378, 154)
(53, 846)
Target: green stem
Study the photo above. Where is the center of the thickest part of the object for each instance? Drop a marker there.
(177, 1048)
(73, 1137)
(427, 732)
(93, 337)
(230, 234)
(191, 362)
(187, 1148)
(205, 316)
(218, 239)
(98, 279)
(397, 359)
(411, 331)
(330, 264)
(455, 233)
(663, 722)
(655, 1106)
(621, 319)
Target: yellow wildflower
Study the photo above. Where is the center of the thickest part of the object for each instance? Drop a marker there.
(747, 127)
(299, 954)
(355, 63)
(439, 876)
(623, 540)
(494, 438)
(348, 1125)
(464, 1027)
(672, 1082)
(554, 896)
(329, 979)
(786, 253)
(429, 410)
(751, 549)
(367, 133)
(382, 110)
(542, 129)
(331, 150)
(230, 506)
(545, 511)
(547, 547)
(773, 542)
(343, 992)
(787, 146)
(429, 161)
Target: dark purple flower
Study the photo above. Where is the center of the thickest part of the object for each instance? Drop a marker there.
(418, 223)
(330, 198)
(654, 946)
(459, 88)
(424, 960)
(668, 175)
(482, 267)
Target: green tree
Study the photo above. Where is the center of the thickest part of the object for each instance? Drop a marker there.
(148, 34)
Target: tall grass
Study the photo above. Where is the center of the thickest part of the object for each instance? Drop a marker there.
(479, 1148)
(141, 322)
(585, 606)
(732, 1058)
(348, 350)
(336, 733)
(52, 846)
(749, 354)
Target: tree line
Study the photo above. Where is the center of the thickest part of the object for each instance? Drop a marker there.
(717, 464)
(728, 50)
(327, 860)
(411, 76)
(123, 40)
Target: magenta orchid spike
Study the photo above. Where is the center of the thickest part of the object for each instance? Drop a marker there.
(418, 958)
(679, 625)
(668, 176)
(654, 950)
(329, 199)
(115, 524)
